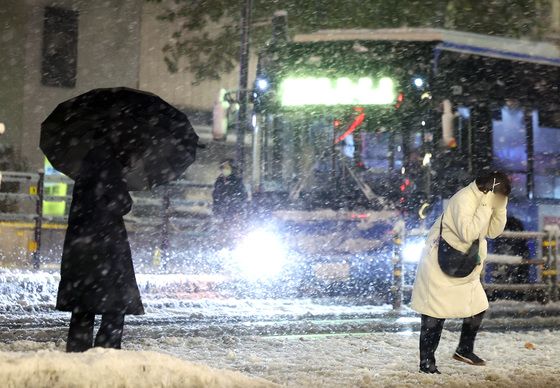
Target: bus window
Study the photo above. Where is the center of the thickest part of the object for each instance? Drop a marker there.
(518, 185)
(509, 145)
(547, 160)
(509, 142)
(382, 151)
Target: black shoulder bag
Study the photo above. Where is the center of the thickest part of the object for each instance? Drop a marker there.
(453, 262)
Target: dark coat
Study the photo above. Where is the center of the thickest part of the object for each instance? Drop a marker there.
(97, 274)
(229, 196)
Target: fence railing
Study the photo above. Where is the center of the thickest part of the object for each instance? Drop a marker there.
(33, 195)
(547, 262)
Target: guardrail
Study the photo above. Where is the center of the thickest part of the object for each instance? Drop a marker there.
(35, 183)
(548, 262)
(548, 284)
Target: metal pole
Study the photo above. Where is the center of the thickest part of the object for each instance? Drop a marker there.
(398, 241)
(257, 158)
(550, 268)
(165, 227)
(276, 125)
(243, 84)
(555, 269)
(546, 270)
(470, 146)
(333, 157)
(38, 221)
(530, 153)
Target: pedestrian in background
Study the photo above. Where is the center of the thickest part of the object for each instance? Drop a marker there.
(229, 195)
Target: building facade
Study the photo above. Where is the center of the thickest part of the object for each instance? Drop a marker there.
(54, 50)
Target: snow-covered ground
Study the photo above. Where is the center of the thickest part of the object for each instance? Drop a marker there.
(23, 291)
(284, 341)
(528, 359)
(186, 305)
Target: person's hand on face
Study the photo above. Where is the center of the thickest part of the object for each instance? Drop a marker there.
(499, 201)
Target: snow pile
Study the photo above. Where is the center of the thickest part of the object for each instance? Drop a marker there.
(27, 290)
(111, 368)
(24, 290)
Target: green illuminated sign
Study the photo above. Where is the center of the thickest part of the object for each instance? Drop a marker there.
(341, 91)
(54, 208)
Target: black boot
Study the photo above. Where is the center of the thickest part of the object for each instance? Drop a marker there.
(465, 350)
(80, 333)
(429, 367)
(110, 332)
(430, 334)
(469, 358)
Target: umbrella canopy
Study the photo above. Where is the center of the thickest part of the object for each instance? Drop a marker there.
(154, 141)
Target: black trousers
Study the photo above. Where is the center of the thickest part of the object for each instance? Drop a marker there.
(430, 334)
(80, 334)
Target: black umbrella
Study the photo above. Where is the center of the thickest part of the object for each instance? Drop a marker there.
(154, 141)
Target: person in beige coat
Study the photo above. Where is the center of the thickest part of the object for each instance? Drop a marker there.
(476, 212)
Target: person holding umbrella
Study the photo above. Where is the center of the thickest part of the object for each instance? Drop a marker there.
(109, 141)
(97, 273)
(447, 281)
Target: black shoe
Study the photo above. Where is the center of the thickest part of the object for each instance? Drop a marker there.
(430, 369)
(469, 358)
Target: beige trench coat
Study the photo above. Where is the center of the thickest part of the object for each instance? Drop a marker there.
(469, 216)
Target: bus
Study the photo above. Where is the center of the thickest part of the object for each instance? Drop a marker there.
(415, 112)
(369, 120)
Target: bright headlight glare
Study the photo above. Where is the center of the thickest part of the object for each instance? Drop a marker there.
(260, 255)
(412, 251)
